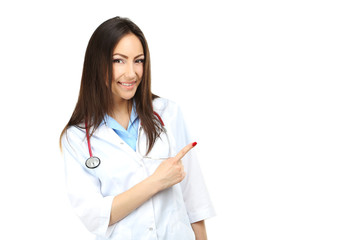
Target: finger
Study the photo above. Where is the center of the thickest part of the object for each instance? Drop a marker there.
(184, 151)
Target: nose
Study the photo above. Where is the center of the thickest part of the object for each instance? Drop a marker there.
(130, 71)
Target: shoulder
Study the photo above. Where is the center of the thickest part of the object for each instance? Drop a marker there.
(169, 111)
(75, 131)
(73, 135)
(165, 106)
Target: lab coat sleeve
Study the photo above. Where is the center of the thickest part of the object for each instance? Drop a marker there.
(83, 188)
(195, 193)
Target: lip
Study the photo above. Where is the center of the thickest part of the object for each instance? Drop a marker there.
(127, 85)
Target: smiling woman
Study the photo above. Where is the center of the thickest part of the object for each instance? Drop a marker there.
(139, 189)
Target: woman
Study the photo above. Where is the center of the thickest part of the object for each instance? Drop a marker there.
(134, 186)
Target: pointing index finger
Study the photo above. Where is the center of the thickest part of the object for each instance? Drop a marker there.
(184, 151)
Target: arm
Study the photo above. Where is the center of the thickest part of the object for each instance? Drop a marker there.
(169, 173)
(199, 230)
(126, 202)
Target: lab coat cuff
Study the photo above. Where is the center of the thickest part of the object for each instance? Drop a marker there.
(201, 214)
(108, 204)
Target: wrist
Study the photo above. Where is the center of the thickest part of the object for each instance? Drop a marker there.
(154, 184)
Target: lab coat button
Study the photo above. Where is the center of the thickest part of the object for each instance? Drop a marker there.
(150, 228)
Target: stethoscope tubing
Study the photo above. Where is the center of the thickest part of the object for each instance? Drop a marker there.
(88, 139)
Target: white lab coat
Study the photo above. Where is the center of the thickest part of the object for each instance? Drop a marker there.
(167, 215)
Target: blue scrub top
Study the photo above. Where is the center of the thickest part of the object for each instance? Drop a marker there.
(130, 134)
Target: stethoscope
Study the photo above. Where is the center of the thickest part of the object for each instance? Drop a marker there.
(93, 161)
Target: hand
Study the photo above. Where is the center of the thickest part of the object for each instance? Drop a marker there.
(171, 171)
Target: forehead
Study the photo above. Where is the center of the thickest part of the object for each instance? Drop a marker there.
(129, 45)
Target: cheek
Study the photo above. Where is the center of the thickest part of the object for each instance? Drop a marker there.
(116, 73)
(140, 71)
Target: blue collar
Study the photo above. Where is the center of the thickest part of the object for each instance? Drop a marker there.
(112, 123)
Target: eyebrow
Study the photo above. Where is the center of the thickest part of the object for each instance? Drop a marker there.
(126, 57)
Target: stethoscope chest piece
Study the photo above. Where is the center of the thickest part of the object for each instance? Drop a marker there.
(92, 162)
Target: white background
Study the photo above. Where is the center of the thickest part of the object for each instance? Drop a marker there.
(271, 89)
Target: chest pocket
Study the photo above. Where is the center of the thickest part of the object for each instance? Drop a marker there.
(162, 149)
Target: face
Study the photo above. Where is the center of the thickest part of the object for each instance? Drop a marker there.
(128, 59)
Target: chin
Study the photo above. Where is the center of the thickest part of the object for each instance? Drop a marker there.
(124, 96)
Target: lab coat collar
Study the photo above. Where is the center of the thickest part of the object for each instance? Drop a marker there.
(112, 123)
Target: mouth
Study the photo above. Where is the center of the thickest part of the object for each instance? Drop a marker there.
(127, 85)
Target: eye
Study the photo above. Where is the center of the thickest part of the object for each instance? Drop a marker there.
(118, 60)
(141, 60)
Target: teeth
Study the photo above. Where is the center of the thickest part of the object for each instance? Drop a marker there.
(127, 84)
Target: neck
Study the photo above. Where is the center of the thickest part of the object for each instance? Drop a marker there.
(121, 112)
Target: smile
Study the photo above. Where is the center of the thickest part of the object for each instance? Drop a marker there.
(127, 84)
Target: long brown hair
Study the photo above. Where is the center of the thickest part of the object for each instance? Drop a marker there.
(95, 96)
